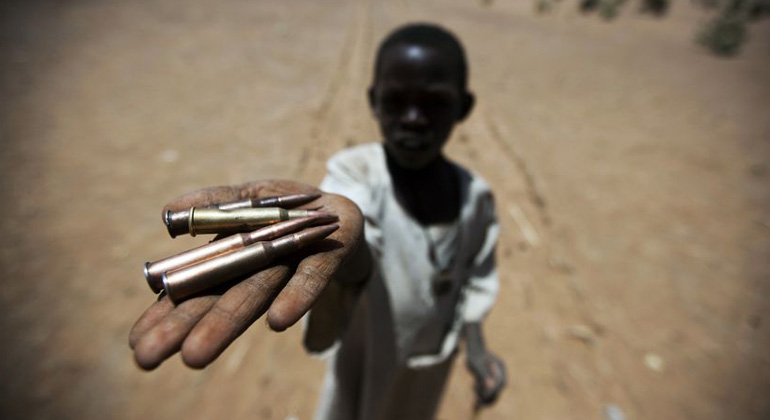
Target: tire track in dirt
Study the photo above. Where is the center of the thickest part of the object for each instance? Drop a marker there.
(498, 133)
(332, 121)
(560, 261)
(588, 380)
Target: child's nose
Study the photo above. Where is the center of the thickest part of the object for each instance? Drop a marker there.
(413, 116)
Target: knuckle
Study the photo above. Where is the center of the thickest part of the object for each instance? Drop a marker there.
(262, 285)
(256, 285)
(226, 315)
(312, 280)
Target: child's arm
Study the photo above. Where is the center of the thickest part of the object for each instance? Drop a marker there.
(483, 285)
(487, 369)
(202, 327)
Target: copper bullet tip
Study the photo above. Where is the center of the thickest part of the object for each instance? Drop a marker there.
(322, 216)
(317, 233)
(293, 242)
(308, 197)
(294, 200)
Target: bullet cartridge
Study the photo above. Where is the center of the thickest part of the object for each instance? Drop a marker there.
(285, 201)
(153, 271)
(177, 222)
(196, 278)
(205, 220)
(202, 220)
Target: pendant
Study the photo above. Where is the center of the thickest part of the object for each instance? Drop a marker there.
(441, 283)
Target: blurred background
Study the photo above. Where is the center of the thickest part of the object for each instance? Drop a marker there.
(631, 167)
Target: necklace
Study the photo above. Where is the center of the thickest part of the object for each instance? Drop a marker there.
(441, 282)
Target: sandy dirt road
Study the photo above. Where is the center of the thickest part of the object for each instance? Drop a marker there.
(631, 173)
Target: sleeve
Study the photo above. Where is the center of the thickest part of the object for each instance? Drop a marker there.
(483, 282)
(348, 174)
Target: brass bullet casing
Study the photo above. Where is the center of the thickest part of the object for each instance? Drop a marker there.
(243, 204)
(211, 220)
(205, 275)
(207, 220)
(153, 271)
(177, 222)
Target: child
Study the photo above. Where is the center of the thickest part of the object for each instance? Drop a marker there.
(432, 232)
(392, 309)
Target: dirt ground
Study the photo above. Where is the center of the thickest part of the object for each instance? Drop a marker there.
(631, 171)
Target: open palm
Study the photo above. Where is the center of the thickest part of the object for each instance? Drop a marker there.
(202, 327)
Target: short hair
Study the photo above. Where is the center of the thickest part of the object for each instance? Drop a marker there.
(427, 35)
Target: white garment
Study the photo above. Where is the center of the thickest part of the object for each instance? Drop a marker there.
(397, 350)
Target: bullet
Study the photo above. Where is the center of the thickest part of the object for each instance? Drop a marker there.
(153, 271)
(209, 220)
(177, 222)
(196, 278)
(285, 201)
(204, 220)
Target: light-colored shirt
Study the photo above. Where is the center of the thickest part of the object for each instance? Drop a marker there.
(426, 283)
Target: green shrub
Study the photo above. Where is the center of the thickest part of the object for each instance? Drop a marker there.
(725, 35)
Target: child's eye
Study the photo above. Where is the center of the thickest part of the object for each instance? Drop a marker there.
(391, 102)
(436, 101)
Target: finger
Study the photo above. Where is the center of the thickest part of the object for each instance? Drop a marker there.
(481, 392)
(316, 270)
(497, 371)
(149, 319)
(494, 380)
(490, 385)
(486, 392)
(304, 287)
(235, 311)
(165, 338)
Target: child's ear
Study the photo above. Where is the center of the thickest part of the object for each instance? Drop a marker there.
(468, 101)
(372, 100)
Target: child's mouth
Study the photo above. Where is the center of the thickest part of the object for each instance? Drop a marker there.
(412, 143)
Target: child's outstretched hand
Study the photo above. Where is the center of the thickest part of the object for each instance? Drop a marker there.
(202, 327)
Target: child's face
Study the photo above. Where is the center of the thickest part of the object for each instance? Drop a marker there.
(417, 99)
